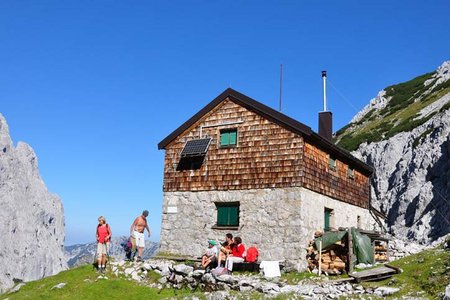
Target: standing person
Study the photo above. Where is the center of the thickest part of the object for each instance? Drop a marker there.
(237, 253)
(137, 231)
(225, 250)
(103, 235)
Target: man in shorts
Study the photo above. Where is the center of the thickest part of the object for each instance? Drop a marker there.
(137, 231)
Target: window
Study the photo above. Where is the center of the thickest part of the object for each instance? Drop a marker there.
(328, 219)
(228, 214)
(332, 162)
(350, 173)
(228, 137)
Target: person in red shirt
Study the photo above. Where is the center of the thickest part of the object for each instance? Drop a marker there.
(237, 253)
(103, 236)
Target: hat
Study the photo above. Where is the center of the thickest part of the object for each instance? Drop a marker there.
(212, 242)
(145, 213)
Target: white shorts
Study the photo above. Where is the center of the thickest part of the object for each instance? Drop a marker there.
(140, 241)
(102, 249)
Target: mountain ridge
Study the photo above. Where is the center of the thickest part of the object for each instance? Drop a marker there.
(404, 133)
(80, 254)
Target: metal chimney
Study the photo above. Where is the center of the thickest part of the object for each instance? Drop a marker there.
(325, 117)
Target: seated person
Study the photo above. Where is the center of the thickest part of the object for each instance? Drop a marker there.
(210, 255)
(237, 254)
(225, 249)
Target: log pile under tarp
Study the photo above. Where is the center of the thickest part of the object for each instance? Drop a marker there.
(332, 258)
(336, 252)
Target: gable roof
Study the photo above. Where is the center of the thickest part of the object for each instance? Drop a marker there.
(274, 116)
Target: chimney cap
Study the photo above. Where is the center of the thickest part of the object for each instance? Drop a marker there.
(324, 73)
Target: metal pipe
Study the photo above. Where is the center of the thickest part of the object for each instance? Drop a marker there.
(324, 79)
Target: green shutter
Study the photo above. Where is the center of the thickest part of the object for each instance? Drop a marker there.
(222, 215)
(228, 215)
(233, 136)
(233, 216)
(326, 225)
(224, 137)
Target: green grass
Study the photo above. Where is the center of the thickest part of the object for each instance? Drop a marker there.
(82, 283)
(425, 274)
(295, 278)
(397, 117)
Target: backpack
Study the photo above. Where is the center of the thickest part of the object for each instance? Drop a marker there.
(127, 245)
(252, 255)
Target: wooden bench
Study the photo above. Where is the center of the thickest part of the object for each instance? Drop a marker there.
(246, 266)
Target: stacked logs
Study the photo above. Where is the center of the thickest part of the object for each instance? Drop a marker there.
(381, 252)
(333, 259)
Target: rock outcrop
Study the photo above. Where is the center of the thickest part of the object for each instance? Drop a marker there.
(32, 219)
(181, 276)
(411, 184)
(412, 179)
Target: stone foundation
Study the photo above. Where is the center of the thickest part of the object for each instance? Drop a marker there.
(279, 222)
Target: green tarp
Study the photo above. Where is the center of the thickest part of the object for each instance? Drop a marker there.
(362, 245)
(329, 238)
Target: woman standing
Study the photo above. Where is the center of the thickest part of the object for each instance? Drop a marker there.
(103, 238)
(237, 253)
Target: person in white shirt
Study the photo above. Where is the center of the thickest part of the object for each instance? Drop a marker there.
(210, 254)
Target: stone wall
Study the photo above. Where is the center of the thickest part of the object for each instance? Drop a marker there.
(279, 222)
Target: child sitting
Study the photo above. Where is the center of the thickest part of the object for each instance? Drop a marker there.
(210, 255)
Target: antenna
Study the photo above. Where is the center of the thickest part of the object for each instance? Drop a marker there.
(281, 84)
(324, 79)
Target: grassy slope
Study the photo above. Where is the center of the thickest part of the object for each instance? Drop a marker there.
(407, 99)
(82, 283)
(425, 275)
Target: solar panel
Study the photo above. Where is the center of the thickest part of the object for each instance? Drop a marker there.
(196, 147)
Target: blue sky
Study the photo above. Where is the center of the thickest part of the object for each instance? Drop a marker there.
(93, 86)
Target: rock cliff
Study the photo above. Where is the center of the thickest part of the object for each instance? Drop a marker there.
(32, 219)
(404, 133)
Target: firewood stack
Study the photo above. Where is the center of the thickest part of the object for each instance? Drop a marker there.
(381, 251)
(334, 258)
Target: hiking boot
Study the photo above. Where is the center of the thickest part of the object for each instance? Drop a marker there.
(139, 259)
(102, 270)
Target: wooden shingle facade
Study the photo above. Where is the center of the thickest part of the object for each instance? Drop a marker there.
(268, 155)
(268, 152)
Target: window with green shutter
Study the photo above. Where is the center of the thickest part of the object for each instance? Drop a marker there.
(228, 138)
(327, 219)
(228, 214)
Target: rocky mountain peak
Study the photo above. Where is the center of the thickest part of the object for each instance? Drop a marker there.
(404, 133)
(5, 140)
(32, 219)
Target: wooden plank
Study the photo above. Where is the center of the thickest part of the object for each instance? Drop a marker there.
(374, 274)
(350, 250)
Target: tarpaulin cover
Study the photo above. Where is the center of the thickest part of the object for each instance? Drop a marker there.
(362, 247)
(329, 238)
